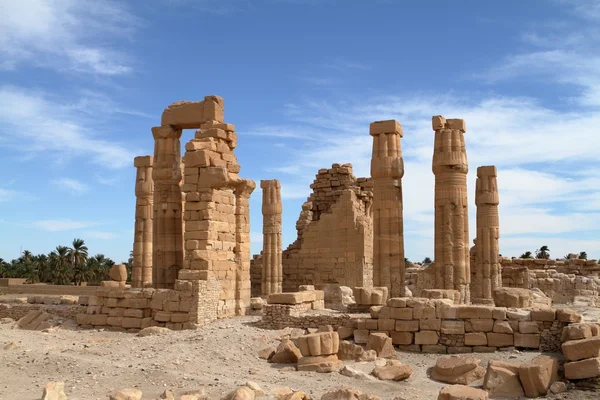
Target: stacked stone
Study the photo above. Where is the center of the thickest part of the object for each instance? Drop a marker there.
(387, 170)
(141, 274)
(487, 275)
(334, 243)
(271, 281)
(217, 233)
(438, 326)
(581, 349)
(452, 261)
(256, 274)
(319, 352)
(167, 233)
(123, 309)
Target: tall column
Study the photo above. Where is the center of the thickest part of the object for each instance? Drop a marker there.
(243, 190)
(387, 170)
(167, 255)
(271, 279)
(487, 264)
(141, 274)
(450, 167)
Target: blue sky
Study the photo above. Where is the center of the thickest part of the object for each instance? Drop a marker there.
(82, 83)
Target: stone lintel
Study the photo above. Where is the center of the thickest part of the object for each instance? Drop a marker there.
(438, 122)
(166, 132)
(193, 114)
(389, 126)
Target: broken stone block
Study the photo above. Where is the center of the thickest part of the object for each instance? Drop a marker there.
(461, 392)
(354, 373)
(382, 344)
(347, 394)
(54, 391)
(575, 350)
(361, 336)
(367, 356)
(476, 339)
(538, 374)
(457, 369)
(345, 332)
(286, 353)
(349, 351)
(321, 364)
(580, 331)
(394, 370)
(241, 393)
(118, 273)
(319, 344)
(558, 388)
(503, 382)
(568, 315)
(267, 353)
(589, 368)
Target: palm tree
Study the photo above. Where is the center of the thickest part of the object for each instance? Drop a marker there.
(527, 254)
(583, 255)
(542, 253)
(129, 265)
(78, 255)
(427, 260)
(61, 265)
(98, 267)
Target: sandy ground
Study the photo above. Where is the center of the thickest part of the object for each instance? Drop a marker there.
(220, 357)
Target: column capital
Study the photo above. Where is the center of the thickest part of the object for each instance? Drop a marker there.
(166, 132)
(386, 127)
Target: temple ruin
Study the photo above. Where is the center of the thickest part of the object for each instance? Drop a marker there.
(272, 258)
(141, 274)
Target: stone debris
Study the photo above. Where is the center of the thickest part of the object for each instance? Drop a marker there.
(394, 370)
(286, 353)
(458, 369)
(354, 373)
(127, 394)
(153, 331)
(502, 380)
(558, 388)
(538, 375)
(267, 353)
(347, 394)
(36, 320)
(382, 344)
(241, 393)
(460, 392)
(54, 391)
(321, 364)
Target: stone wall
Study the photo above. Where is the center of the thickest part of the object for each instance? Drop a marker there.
(190, 304)
(18, 311)
(255, 274)
(335, 233)
(49, 289)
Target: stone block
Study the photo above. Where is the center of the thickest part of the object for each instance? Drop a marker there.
(385, 127)
(427, 337)
(538, 374)
(129, 322)
(319, 344)
(402, 338)
(321, 364)
(402, 313)
(453, 327)
(361, 336)
(518, 315)
(527, 341)
(434, 349)
(475, 312)
(461, 392)
(543, 314)
(457, 369)
(430, 324)
(382, 344)
(580, 331)
(500, 339)
(528, 327)
(397, 302)
(394, 370)
(502, 382)
(133, 313)
(476, 339)
(568, 315)
(387, 324)
(502, 327)
(575, 350)
(407, 326)
(585, 369)
(480, 325)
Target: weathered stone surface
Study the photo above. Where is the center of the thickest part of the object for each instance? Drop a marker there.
(394, 370)
(267, 353)
(575, 350)
(350, 351)
(382, 344)
(153, 330)
(457, 369)
(502, 382)
(241, 393)
(347, 394)
(461, 392)
(361, 336)
(476, 339)
(354, 373)
(589, 368)
(127, 394)
(580, 331)
(322, 364)
(513, 297)
(500, 339)
(345, 332)
(286, 353)
(271, 278)
(568, 315)
(558, 388)
(54, 391)
(427, 337)
(538, 374)
(319, 344)
(527, 341)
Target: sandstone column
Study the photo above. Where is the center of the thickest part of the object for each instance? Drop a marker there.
(243, 190)
(387, 170)
(167, 235)
(141, 274)
(271, 279)
(487, 264)
(452, 265)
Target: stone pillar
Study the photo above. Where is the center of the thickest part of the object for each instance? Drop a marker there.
(167, 255)
(450, 167)
(271, 278)
(243, 190)
(141, 274)
(387, 170)
(487, 274)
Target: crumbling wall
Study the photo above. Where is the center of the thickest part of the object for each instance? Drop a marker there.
(335, 233)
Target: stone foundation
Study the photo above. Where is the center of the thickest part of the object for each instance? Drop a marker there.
(18, 311)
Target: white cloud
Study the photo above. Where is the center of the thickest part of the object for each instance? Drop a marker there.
(55, 130)
(66, 35)
(73, 186)
(56, 225)
(7, 194)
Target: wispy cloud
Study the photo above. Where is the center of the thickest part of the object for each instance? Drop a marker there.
(73, 186)
(7, 194)
(55, 130)
(65, 35)
(100, 235)
(57, 225)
